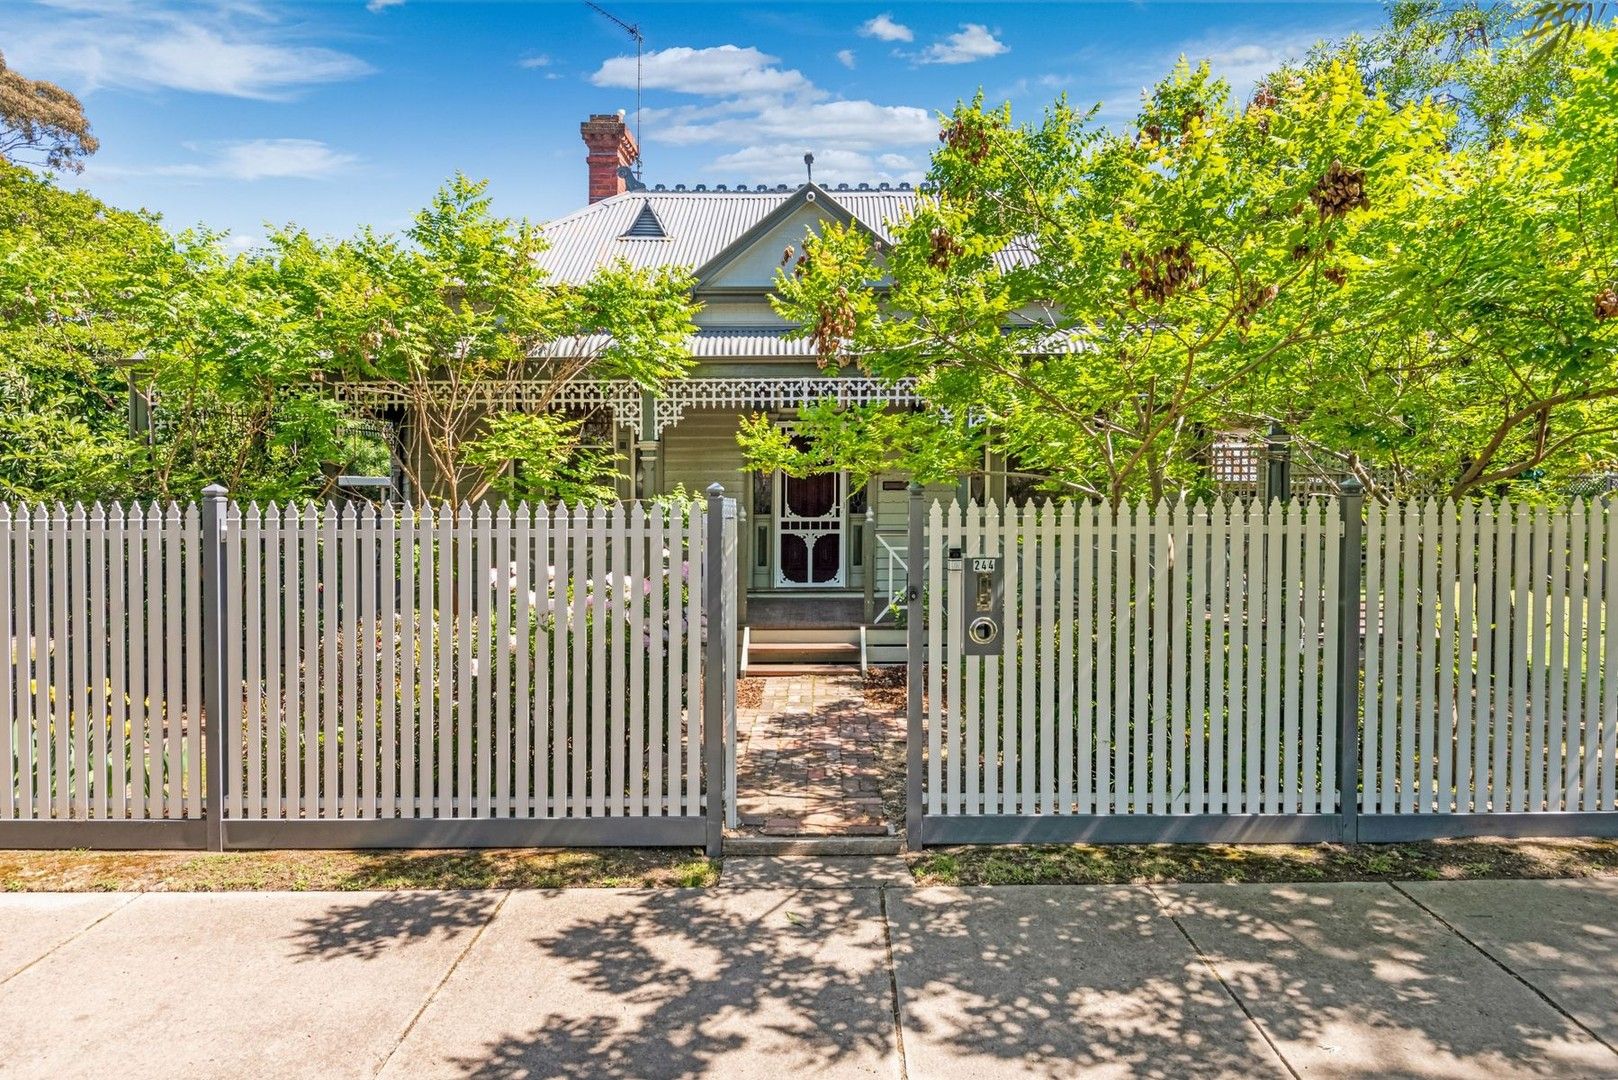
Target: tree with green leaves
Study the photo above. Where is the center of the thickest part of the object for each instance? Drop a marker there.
(1494, 359)
(1420, 288)
(460, 324)
(1093, 306)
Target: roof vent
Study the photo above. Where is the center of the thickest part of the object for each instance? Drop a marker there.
(659, 187)
(864, 186)
(842, 187)
(702, 187)
(884, 186)
(904, 185)
(679, 187)
(646, 226)
(761, 187)
(780, 187)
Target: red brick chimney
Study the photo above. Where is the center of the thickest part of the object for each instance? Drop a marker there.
(612, 147)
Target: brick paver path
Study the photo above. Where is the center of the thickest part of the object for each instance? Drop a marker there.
(810, 755)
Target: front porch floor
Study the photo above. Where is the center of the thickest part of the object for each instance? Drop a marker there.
(820, 755)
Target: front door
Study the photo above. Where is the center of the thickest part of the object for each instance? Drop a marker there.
(809, 530)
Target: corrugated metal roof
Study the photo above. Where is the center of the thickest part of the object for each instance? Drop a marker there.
(698, 226)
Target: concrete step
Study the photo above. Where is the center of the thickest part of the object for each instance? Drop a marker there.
(738, 844)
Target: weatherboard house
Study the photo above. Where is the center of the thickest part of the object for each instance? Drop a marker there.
(814, 552)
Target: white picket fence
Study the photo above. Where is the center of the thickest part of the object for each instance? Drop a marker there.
(1487, 683)
(444, 665)
(1176, 660)
(1178, 672)
(101, 674)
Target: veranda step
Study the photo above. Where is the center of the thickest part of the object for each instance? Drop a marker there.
(774, 670)
(828, 647)
(736, 844)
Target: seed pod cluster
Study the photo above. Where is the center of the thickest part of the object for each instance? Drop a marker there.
(1336, 275)
(1254, 301)
(971, 141)
(833, 327)
(1339, 191)
(1607, 303)
(1159, 275)
(944, 248)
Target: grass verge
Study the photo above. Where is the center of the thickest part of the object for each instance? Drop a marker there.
(297, 871)
(1439, 860)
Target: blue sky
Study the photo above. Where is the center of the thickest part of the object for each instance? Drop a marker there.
(234, 113)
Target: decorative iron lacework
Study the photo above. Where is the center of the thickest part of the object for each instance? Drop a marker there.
(766, 393)
(623, 397)
(620, 397)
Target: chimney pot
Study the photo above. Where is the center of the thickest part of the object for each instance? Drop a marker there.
(611, 147)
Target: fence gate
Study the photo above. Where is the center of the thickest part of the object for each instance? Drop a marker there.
(400, 677)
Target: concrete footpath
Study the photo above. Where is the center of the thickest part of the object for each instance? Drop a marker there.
(824, 968)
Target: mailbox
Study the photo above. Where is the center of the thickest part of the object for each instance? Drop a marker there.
(985, 600)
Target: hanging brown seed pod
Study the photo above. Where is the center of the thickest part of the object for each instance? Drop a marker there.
(1607, 303)
(786, 255)
(1253, 301)
(945, 248)
(1161, 274)
(1300, 253)
(971, 141)
(1336, 275)
(1339, 191)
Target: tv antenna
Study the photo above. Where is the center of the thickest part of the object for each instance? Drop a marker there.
(633, 30)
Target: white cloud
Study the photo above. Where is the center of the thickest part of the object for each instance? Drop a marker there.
(535, 60)
(1243, 64)
(376, 7)
(721, 70)
(782, 163)
(241, 243)
(883, 28)
(973, 41)
(850, 124)
(747, 99)
(845, 57)
(206, 51)
(248, 160)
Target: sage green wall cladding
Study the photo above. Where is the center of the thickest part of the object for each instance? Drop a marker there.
(700, 449)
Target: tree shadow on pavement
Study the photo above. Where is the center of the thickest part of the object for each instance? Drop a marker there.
(684, 984)
(1060, 981)
(1357, 980)
(367, 929)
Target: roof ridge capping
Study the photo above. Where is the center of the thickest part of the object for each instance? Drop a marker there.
(777, 189)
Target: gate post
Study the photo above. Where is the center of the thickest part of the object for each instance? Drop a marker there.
(714, 666)
(916, 642)
(215, 618)
(1349, 600)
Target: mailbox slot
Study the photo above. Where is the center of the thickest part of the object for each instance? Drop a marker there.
(985, 595)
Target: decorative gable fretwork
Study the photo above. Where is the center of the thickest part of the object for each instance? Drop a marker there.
(767, 393)
(624, 400)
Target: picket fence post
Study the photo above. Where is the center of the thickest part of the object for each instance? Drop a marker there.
(714, 668)
(214, 621)
(916, 641)
(1352, 595)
